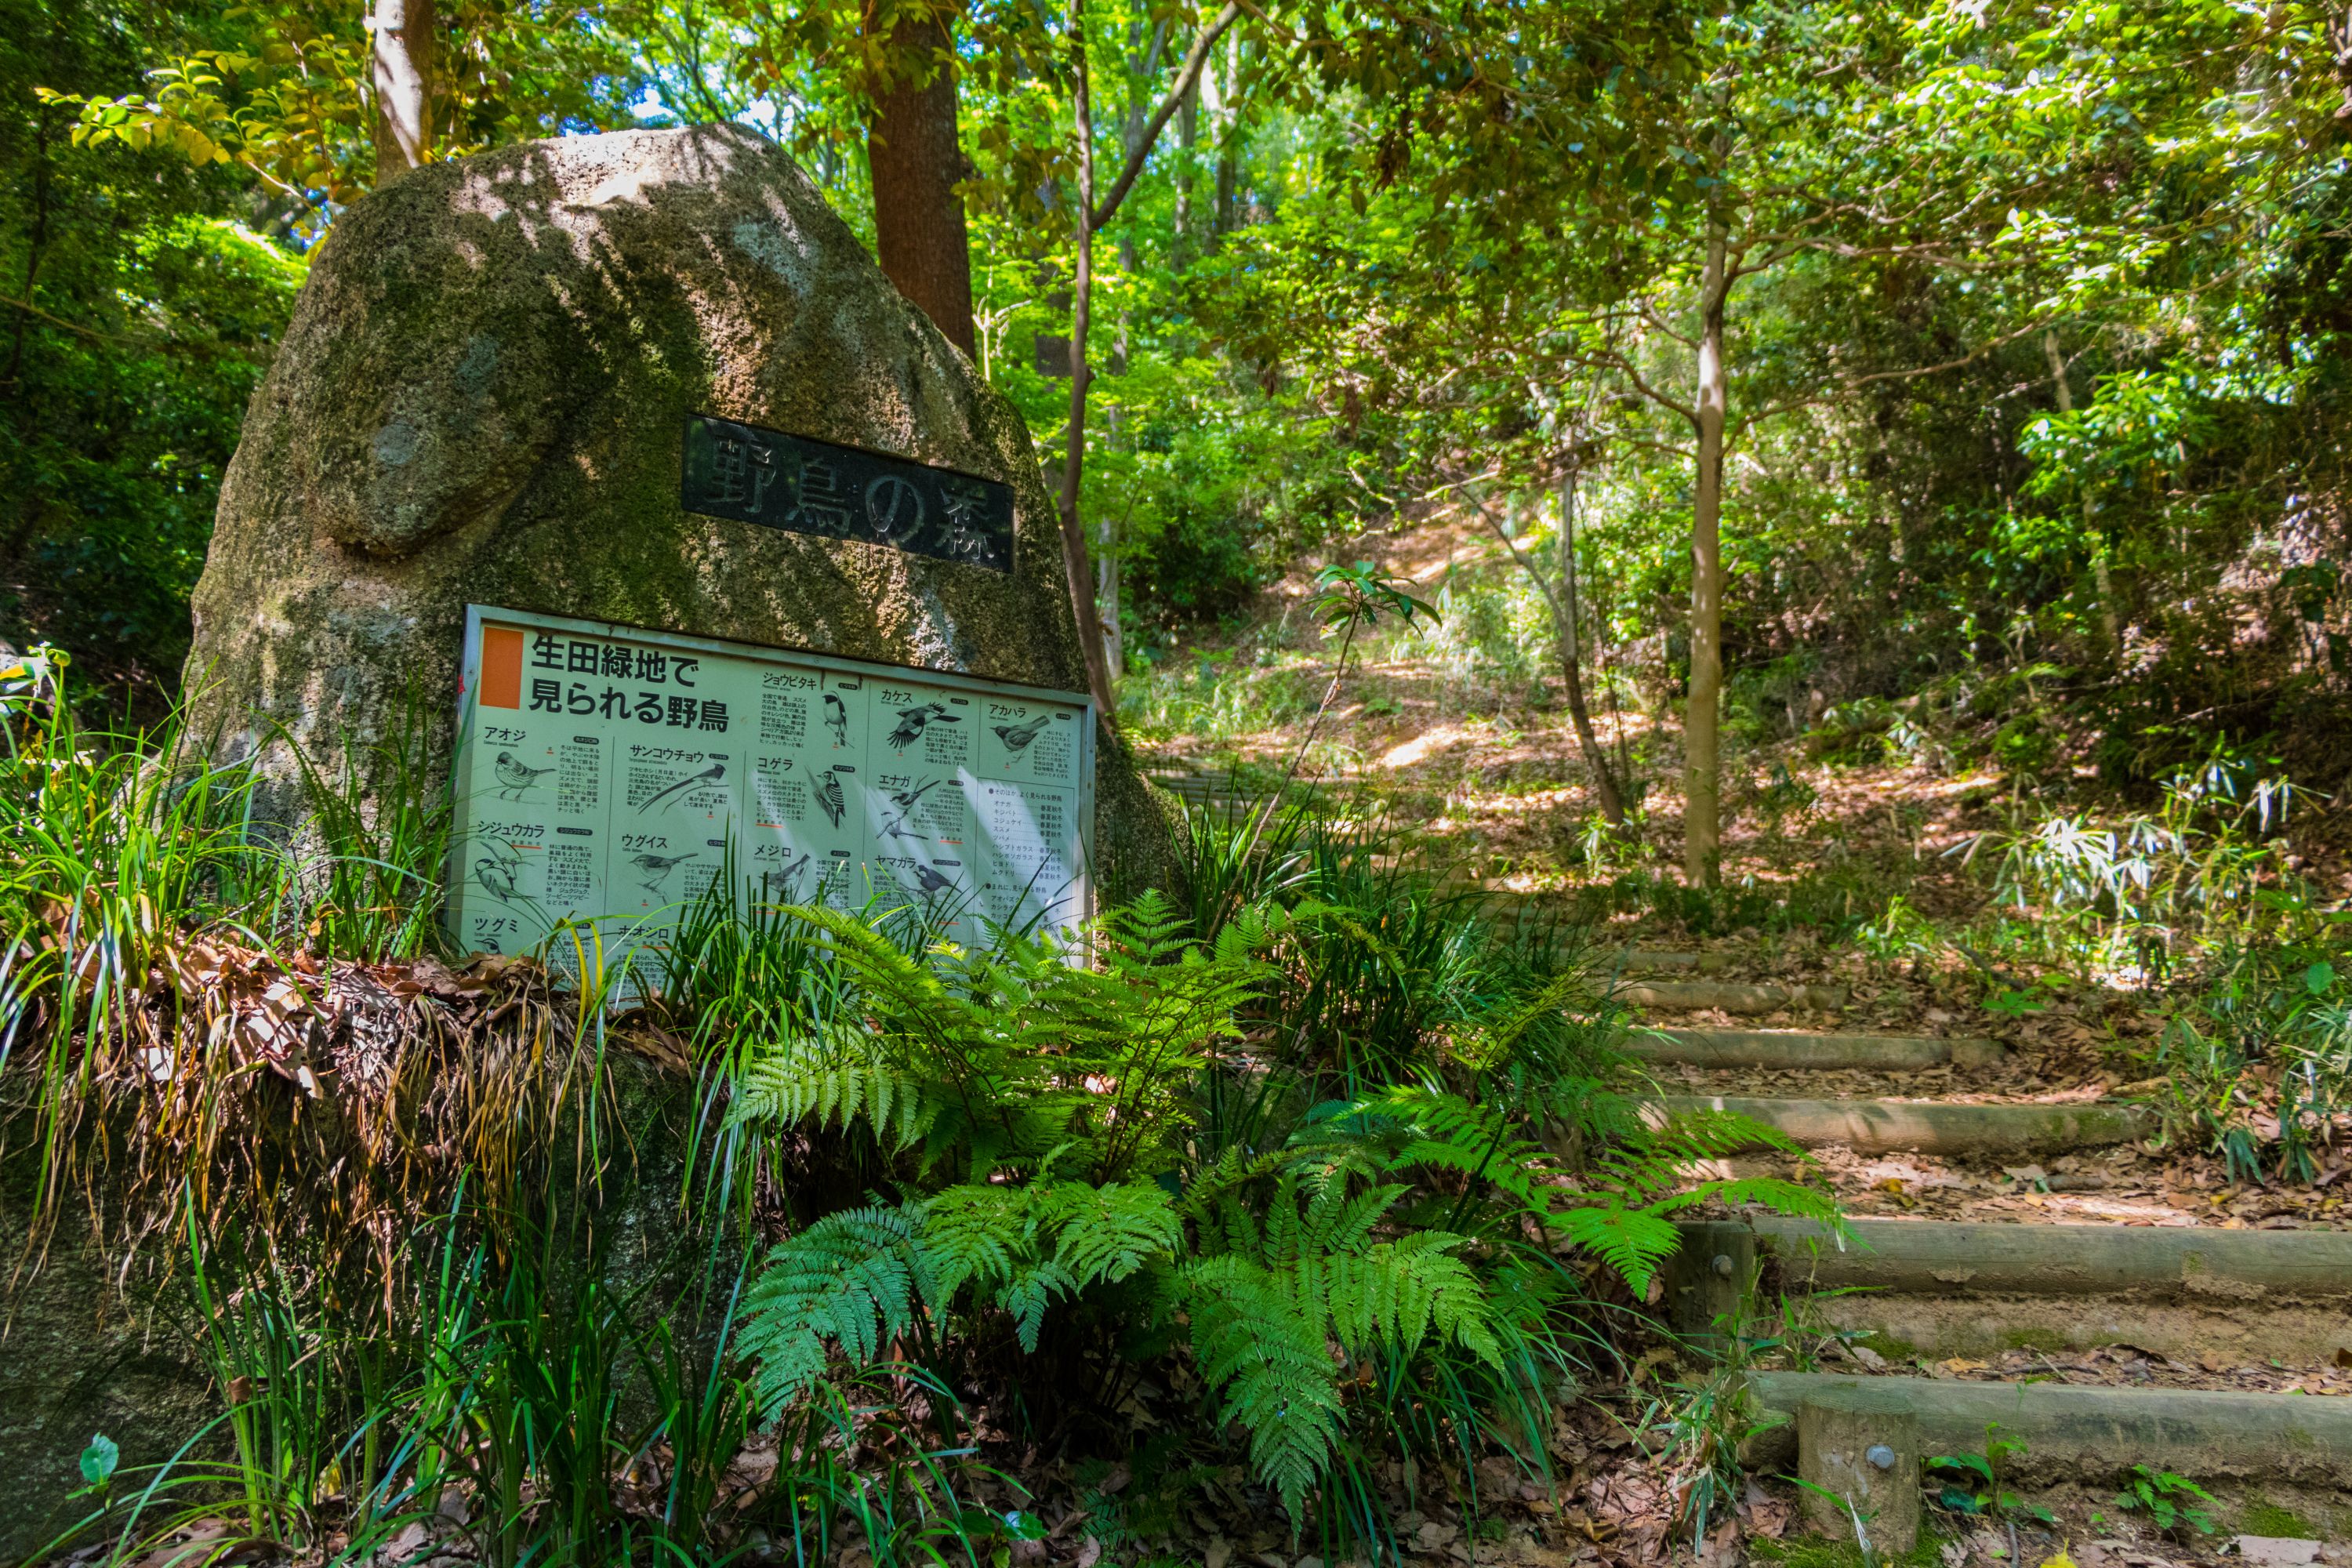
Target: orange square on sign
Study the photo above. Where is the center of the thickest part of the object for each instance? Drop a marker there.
(501, 667)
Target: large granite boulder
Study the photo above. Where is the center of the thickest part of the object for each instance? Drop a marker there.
(482, 398)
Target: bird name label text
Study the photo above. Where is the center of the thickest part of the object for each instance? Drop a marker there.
(611, 778)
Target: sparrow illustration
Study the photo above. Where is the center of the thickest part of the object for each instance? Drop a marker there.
(913, 722)
(1016, 737)
(836, 719)
(828, 796)
(710, 774)
(905, 800)
(514, 778)
(656, 869)
(496, 876)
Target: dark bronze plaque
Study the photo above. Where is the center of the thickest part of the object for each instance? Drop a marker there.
(766, 477)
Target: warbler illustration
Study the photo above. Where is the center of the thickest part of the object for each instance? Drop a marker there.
(828, 795)
(514, 778)
(710, 774)
(496, 876)
(905, 800)
(836, 719)
(1016, 737)
(656, 869)
(915, 720)
(787, 877)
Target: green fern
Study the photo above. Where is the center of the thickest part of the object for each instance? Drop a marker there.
(853, 1279)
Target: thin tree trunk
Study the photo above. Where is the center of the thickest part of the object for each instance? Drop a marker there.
(911, 147)
(1106, 593)
(2106, 585)
(1572, 659)
(1075, 564)
(401, 69)
(1563, 620)
(1188, 138)
(1703, 714)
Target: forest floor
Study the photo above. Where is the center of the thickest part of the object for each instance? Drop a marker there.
(1485, 775)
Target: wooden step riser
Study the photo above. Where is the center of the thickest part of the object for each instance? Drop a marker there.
(1814, 1053)
(1945, 1289)
(1889, 1127)
(2077, 1435)
(2185, 1263)
(1985, 1327)
(1726, 996)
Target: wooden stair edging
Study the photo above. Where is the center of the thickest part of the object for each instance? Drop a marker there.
(1929, 1127)
(1639, 960)
(1800, 1050)
(2074, 1433)
(1730, 996)
(1956, 1257)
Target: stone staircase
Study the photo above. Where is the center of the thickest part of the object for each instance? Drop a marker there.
(2101, 1339)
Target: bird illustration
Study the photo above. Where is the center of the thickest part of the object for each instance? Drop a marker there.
(656, 869)
(1016, 737)
(496, 876)
(514, 778)
(836, 719)
(788, 877)
(929, 880)
(710, 774)
(914, 721)
(828, 796)
(905, 800)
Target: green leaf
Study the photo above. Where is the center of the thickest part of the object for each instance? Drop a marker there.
(98, 1461)
(2319, 977)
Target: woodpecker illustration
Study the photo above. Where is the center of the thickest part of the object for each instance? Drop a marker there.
(710, 774)
(836, 719)
(905, 800)
(914, 721)
(514, 778)
(656, 869)
(496, 876)
(1016, 737)
(828, 795)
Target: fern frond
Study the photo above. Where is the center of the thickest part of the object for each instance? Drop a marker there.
(1775, 1192)
(1632, 1241)
(1107, 1233)
(852, 1279)
(1272, 1372)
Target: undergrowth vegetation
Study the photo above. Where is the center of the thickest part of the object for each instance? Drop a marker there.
(784, 1245)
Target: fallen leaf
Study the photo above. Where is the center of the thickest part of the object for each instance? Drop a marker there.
(2276, 1550)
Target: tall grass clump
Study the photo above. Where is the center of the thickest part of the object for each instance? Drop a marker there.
(2199, 904)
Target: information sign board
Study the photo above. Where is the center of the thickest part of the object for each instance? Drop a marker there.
(608, 773)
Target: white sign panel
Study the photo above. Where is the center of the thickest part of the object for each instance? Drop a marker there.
(607, 774)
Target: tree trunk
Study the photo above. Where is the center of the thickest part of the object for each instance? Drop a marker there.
(1703, 714)
(2105, 584)
(1106, 596)
(1188, 138)
(401, 69)
(1075, 564)
(1571, 658)
(911, 148)
(1563, 620)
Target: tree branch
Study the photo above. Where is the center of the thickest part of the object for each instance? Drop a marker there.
(1193, 61)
